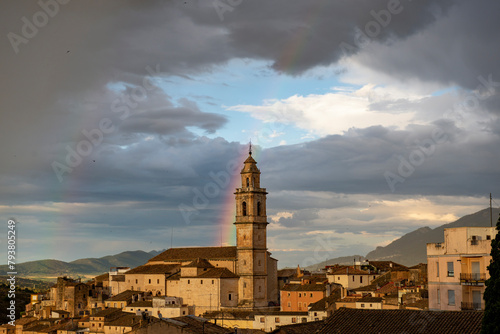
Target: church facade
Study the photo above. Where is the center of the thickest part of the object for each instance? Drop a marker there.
(212, 278)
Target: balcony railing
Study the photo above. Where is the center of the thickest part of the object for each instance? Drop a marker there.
(466, 306)
(472, 277)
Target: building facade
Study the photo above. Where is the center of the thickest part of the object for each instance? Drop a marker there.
(211, 278)
(457, 268)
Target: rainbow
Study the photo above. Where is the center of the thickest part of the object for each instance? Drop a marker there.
(288, 58)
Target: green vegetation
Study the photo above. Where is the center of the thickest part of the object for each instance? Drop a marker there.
(491, 320)
(23, 297)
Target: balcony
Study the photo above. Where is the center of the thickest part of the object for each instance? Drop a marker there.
(466, 306)
(472, 278)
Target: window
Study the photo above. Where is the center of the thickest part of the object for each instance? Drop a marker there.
(488, 237)
(158, 281)
(362, 305)
(213, 281)
(300, 295)
(360, 279)
(244, 284)
(277, 319)
(289, 304)
(451, 272)
(315, 314)
(258, 208)
(437, 268)
(135, 281)
(288, 294)
(294, 320)
(189, 282)
(304, 319)
(229, 297)
(438, 296)
(262, 319)
(338, 278)
(115, 304)
(311, 295)
(451, 297)
(353, 278)
(248, 182)
(201, 281)
(150, 281)
(244, 208)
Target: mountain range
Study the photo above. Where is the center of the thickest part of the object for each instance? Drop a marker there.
(82, 267)
(411, 248)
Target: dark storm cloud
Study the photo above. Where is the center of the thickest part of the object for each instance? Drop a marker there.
(173, 120)
(357, 161)
(458, 48)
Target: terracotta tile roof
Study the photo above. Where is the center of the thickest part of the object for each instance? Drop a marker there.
(287, 272)
(302, 328)
(388, 266)
(199, 263)
(154, 269)
(103, 277)
(8, 326)
(304, 287)
(218, 273)
(37, 328)
(355, 321)
(370, 299)
(322, 304)
(127, 320)
(192, 253)
(106, 312)
(142, 303)
(388, 288)
(199, 325)
(124, 296)
(348, 270)
(25, 320)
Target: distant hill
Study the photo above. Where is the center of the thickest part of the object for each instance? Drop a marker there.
(89, 266)
(411, 248)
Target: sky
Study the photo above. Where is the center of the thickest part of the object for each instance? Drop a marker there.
(124, 124)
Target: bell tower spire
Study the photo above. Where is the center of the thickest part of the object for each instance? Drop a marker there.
(251, 224)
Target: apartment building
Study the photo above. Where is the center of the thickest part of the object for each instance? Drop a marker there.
(457, 268)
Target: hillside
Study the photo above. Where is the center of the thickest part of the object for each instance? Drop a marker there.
(411, 249)
(88, 266)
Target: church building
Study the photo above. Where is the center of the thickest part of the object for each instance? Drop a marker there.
(213, 278)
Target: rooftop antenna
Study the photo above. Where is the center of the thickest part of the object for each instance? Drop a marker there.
(491, 213)
(250, 148)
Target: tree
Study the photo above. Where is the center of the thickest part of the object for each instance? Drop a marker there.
(491, 318)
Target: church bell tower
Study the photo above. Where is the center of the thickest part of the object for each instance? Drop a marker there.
(251, 223)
